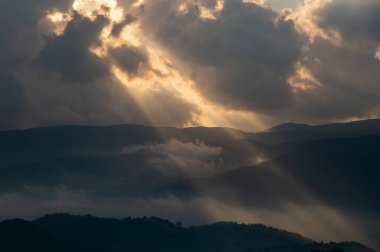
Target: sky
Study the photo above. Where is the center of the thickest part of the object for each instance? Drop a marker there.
(246, 64)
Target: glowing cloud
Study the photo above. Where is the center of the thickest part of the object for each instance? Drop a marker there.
(205, 11)
(303, 80)
(59, 21)
(92, 8)
(377, 54)
(307, 19)
(258, 2)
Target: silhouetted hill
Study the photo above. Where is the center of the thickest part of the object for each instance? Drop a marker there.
(289, 127)
(318, 247)
(109, 137)
(64, 232)
(19, 235)
(38, 144)
(52, 142)
(293, 132)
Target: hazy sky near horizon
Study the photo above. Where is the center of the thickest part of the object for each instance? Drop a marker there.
(246, 64)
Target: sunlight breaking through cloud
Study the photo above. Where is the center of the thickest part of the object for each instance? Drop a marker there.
(303, 80)
(59, 21)
(92, 8)
(206, 12)
(306, 19)
(161, 74)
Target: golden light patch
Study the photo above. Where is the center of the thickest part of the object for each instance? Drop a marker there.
(183, 8)
(263, 3)
(303, 80)
(377, 53)
(58, 17)
(138, 4)
(205, 12)
(306, 20)
(56, 22)
(130, 35)
(92, 8)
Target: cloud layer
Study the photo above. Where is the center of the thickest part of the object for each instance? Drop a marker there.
(188, 62)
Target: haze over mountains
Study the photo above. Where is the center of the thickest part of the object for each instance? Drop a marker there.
(320, 181)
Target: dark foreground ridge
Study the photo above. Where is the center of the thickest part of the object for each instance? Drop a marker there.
(64, 232)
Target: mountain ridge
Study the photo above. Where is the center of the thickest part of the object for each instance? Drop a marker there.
(295, 132)
(64, 232)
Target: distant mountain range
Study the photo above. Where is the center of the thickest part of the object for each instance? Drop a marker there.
(63, 233)
(77, 167)
(294, 132)
(87, 139)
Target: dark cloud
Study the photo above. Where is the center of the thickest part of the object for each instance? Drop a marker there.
(347, 69)
(347, 90)
(19, 38)
(129, 58)
(65, 83)
(55, 79)
(241, 59)
(70, 54)
(19, 43)
(118, 28)
(357, 20)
